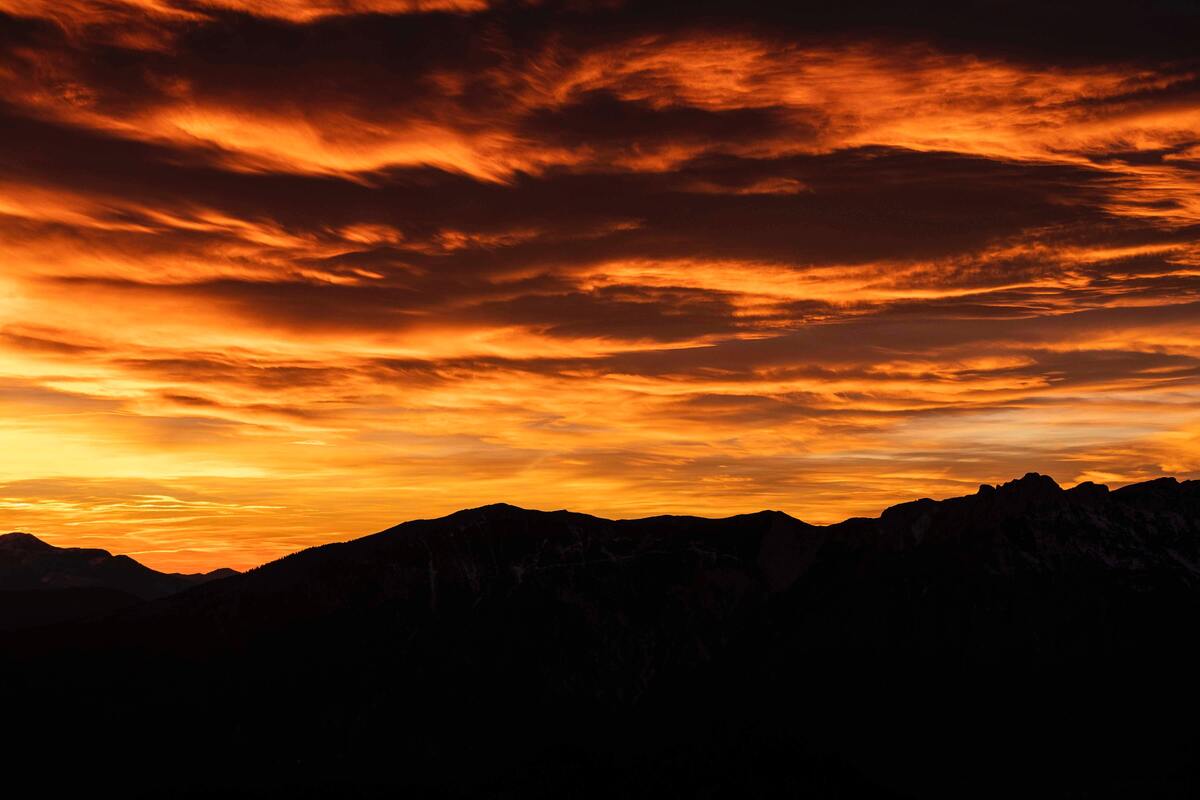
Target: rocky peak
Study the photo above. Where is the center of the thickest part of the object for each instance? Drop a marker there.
(23, 542)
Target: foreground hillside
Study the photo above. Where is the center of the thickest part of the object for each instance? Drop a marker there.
(1024, 639)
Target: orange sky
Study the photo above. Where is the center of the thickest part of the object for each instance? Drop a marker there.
(279, 273)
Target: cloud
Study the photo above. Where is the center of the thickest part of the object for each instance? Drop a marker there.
(310, 268)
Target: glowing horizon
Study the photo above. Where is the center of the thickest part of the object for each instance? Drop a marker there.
(283, 273)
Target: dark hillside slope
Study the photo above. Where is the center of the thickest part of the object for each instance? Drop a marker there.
(33, 607)
(1024, 639)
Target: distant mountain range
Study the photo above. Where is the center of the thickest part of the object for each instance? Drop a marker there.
(1022, 640)
(43, 584)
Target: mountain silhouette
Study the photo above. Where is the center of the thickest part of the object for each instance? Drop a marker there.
(30, 608)
(43, 584)
(1022, 639)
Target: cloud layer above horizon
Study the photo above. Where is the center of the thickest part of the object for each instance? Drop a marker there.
(277, 273)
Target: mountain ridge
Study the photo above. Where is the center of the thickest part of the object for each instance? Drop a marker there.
(1009, 498)
(42, 584)
(1022, 639)
(24, 542)
(499, 545)
(1031, 487)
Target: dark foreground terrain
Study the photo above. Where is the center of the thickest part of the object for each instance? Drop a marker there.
(1023, 641)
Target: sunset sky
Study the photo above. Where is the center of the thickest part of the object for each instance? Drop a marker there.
(281, 272)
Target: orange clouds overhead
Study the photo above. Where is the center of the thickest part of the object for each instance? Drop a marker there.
(277, 273)
(94, 12)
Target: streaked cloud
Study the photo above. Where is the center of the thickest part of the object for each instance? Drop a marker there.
(278, 273)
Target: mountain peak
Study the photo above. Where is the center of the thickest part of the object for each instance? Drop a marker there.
(27, 563)
(18, 540)
(1034, 479)
(1089, 492)
(507, 507)
(1032, 487)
